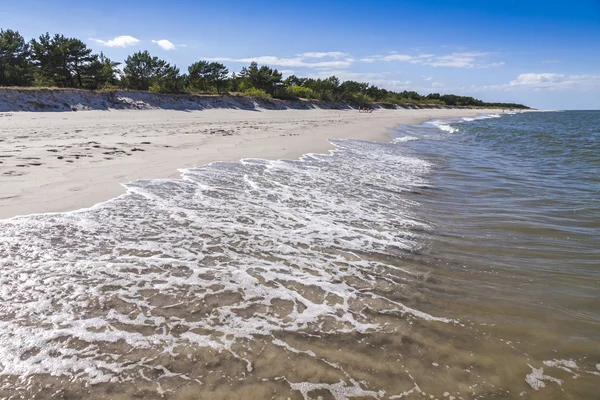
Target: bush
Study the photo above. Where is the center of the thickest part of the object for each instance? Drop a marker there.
(361, 99)
(254, 92)
(327, 95)
(391, 100)
(155, 88)
(40, 80)
(301, 92)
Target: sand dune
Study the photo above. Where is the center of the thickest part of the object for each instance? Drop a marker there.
(59, 161)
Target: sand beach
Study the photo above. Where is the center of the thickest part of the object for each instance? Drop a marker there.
(62, 161)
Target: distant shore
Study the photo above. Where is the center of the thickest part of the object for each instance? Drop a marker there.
(63, 161)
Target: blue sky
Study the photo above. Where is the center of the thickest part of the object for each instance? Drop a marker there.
(545, 54)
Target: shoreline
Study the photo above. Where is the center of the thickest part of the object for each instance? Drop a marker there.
(58, 162)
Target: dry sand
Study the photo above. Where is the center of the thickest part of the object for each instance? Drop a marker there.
(61, 161)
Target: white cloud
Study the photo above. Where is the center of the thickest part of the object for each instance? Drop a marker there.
(316, 54)
(119, 41)
(456, 60)
(292, 62)
(165, 44)
(338, 60)
(397, 57)
(391, 84)
(287, 72)
(492, 65)
(550, 81)
(346, 75)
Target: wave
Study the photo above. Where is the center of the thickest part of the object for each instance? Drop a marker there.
(444, 125)
(404, 139)
(227, 255)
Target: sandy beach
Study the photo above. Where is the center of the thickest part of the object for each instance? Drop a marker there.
(62, 161)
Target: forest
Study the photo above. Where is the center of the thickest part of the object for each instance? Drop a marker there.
(59, 61)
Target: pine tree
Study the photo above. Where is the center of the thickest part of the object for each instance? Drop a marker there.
(15, 67)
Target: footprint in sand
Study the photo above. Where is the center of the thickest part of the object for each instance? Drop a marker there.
(13, 173)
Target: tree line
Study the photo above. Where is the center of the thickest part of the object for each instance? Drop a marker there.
(59, 61)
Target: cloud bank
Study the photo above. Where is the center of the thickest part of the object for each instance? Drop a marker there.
(337, 59)
(550, 81)
(456, 60)
(304, 60)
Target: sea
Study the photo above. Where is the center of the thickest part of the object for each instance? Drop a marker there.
(458, 260)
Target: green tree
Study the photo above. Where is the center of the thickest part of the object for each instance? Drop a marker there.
(235, 83)
(353, 91)
(15, 67)
(102, 73)
(79, 60)
(63, 61)
(143, 72)
(293, 80)
(141, 69)
(198, 74)
(263, 78)
(205, 76)
(219, 74)
(376, 93)
(169, 80)
(331, 89)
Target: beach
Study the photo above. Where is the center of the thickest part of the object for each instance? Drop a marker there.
(64, 161)
(248, 260)
(235, 200)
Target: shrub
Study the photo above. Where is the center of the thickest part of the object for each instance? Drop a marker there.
(327, 95)
(301, 92)
(360, 98)
(254, 92)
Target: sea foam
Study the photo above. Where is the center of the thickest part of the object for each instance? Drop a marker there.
(230, 253)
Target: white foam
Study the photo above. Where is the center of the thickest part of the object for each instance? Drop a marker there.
(404, 139)
(567, 365)
(444, 126)
(132, 271)
(536, 379)
(339, 391)
(481, 117)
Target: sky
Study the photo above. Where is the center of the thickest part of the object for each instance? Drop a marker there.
(545, 54)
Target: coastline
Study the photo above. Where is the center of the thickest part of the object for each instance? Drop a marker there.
(57, 161)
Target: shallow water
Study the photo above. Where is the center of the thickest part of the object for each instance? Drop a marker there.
(382, 270)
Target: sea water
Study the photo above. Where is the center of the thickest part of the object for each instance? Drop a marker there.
(459, 260)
